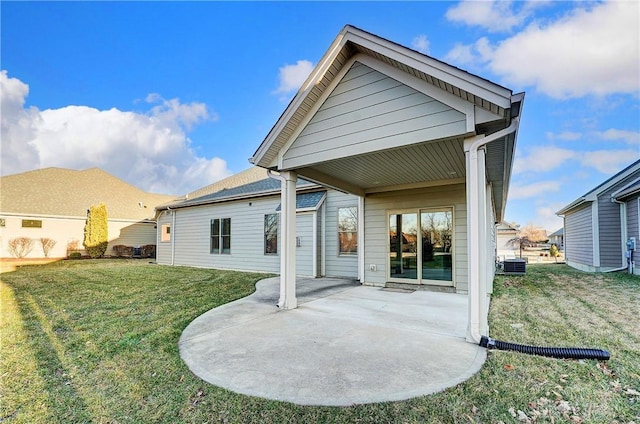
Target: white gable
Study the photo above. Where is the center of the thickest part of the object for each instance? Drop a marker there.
(369, 111)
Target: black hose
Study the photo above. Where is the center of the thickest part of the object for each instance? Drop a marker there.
(553, 352)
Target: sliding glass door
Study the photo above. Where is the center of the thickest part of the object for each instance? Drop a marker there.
(421, 246)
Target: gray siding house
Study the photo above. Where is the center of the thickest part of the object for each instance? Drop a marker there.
(598, 224)
(251, 214)
(413, 157)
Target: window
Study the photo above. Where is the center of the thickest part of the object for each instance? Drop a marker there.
(31, 223)
(348, 230)
(165, 232)
(221, 236)
(271, 233)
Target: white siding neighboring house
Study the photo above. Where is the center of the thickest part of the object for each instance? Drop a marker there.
(52, 203)
(506, 232)
(557, 238)
(598, 224)
(426, 148)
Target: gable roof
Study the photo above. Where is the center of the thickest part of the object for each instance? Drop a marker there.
(69, 193)
(557, 233)
(354, 164)
(352, 41)
(593, 194)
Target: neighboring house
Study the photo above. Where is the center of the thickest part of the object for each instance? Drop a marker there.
(422, 148)
(506, 232)
(598, 224)
(557, 238)
(53, 202)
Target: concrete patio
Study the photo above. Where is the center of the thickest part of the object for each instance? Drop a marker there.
(345, 344)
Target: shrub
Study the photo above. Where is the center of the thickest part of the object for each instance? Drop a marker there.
(149, 251)
(75, 255)
(20, 246)
(554, 252)
(96, 231)
(47, 245)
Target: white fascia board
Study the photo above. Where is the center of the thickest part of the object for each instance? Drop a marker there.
(318, 104)
(317, 73)
(474, 84)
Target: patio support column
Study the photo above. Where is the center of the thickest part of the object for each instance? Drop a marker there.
(476, 237)
(361, 263)
(288, 298)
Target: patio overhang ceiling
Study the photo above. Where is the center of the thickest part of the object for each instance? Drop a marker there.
(370, 149)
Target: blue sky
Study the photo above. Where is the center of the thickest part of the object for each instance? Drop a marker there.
(173, 96)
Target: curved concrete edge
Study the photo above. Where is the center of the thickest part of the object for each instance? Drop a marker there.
(345, 345)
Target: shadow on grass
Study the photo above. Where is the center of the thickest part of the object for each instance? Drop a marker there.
(64, 403)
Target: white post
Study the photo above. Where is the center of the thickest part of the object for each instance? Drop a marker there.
(361, 263)
(482, 242)
(476, 236)
(288, 298)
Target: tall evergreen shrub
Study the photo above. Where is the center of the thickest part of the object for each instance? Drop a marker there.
(96, 235)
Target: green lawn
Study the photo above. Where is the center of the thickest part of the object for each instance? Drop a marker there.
(96, 341)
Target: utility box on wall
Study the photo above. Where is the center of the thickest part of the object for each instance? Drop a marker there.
(515, 266)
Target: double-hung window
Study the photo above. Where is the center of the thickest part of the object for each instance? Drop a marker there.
(221, 236)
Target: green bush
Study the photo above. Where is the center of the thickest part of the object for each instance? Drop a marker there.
(75, 255)
(96, 231)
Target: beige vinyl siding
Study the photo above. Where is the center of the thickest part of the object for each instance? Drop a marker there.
(578, 239)
(338, 265)
(304, 252)
(370, 111)
(136, 234)
(65, 230)
(377, 207)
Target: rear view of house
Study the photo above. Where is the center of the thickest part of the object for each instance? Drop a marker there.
(601, 227)
(388, 166)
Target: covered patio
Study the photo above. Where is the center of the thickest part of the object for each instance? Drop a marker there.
(345, 344)
(416, 140)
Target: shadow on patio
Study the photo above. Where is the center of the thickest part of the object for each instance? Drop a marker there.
(345, 344)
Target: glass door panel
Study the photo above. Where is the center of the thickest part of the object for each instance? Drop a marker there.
(403, 246)
(436, 229)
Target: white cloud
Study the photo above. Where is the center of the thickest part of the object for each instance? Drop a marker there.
(292, 76)
(609, 161)
(518, 191)
(564, 136)
(543, 159)
(421, 44)
(494, 16)
(629, 137)
(150, 150)
(589, 51)
(18, 126)
(546, 217)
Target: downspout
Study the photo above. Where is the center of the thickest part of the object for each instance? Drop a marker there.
(475, 302)
(173, 235)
